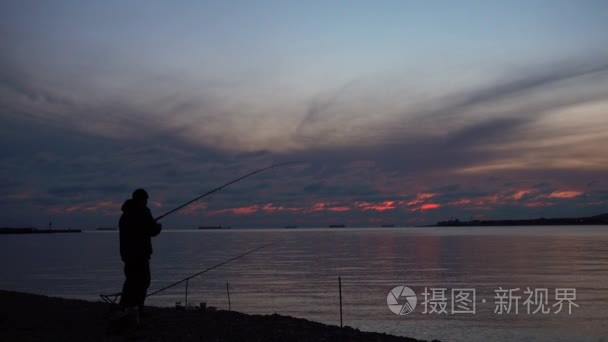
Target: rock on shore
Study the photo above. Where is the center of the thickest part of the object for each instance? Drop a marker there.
(28, 317)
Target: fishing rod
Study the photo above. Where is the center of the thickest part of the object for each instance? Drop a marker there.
(207, 270)
(220, 188)
(113, 297)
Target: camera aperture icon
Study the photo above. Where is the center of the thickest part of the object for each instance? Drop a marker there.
(401, 300)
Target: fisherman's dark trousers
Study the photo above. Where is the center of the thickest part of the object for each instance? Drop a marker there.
(137, 281)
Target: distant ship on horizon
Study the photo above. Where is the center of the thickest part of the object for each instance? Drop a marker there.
(30, 230)
(337, 226)
(213, 227)
(106, 228)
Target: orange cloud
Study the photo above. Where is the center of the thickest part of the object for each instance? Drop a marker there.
(461, 202)
(194, 208)
(326, 206)
(426, 206)
(246, 210)
(21, 195)
(338, 209)
(421, 197)
(429, 206)
(270, 208)
(107, 207)
(93, 207)
(537, 204)
(380, 206)
(564, 194)
(477, 203)
(157, 204)
(318, 206)
(236, 211)
(521, 193)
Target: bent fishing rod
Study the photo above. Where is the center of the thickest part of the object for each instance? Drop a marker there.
(198, 198)
(207, 270)
(220, 188)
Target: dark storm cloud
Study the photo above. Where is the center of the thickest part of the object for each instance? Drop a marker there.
(13, 79)
(69, 166)
(317, 120)
(491, 130)
(520, 100)
(59, 172)
(424, 153)
(252, 154)
(109, 189)
(329, 190)
(447, 188)
(532, 81)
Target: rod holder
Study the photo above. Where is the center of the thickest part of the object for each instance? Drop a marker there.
(228, 293)
(186, 300)
(340, 292)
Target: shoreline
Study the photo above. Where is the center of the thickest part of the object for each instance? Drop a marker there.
(28, 230)
(31, 317)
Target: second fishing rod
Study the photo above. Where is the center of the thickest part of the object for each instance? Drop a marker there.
(200, 197)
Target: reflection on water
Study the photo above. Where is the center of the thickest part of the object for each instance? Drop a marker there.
(298, 274)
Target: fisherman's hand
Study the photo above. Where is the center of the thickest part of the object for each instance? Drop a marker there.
(156, 229)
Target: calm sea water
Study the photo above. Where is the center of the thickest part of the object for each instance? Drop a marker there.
(298, 274)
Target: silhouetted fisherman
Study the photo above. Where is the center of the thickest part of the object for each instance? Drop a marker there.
(137, 227)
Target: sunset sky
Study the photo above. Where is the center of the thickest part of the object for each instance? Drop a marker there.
(401, 112)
